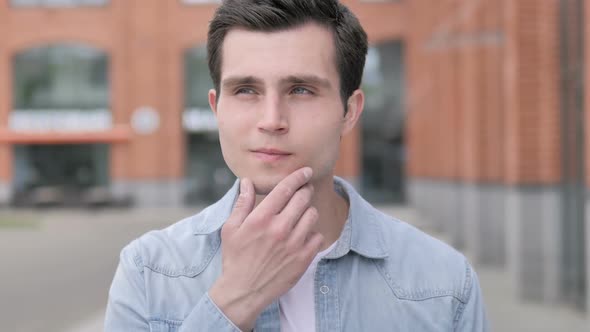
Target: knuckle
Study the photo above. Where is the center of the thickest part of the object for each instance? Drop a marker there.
(320, 241)
(312, 214)
(285, 191)
(291, 247)
(240, 202)
(257, 224)
(278, 233)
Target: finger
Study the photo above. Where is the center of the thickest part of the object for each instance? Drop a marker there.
(303, 228)
(244, 203)
(282, 193)
(297, 206)
(312, 246)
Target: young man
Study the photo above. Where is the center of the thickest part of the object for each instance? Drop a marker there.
(290, 247)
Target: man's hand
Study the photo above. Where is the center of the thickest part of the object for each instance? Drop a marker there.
(266, 250)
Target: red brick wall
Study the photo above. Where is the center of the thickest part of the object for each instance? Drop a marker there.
(532, 91)
(484, 91)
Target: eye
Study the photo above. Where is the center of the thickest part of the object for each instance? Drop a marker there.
(245, 90)
(300, 90)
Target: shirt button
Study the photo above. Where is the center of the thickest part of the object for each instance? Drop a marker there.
(324, 289)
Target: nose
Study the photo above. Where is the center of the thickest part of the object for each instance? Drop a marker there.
(273, 119)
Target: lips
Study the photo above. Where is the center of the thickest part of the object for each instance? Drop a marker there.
(272, 151)
(271, 154)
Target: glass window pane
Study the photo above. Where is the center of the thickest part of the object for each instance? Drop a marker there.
(61, 77)
(383, 122)
(207, 177)
(197, 79)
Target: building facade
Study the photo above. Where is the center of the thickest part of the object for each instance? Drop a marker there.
(106, 100)
(498, 157)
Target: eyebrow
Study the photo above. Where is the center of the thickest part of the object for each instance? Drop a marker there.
(240, 80)
(307, 79)
(291, 79)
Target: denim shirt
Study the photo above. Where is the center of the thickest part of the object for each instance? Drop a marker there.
(382, 275)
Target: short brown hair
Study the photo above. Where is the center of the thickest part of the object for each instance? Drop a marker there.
(350, 39)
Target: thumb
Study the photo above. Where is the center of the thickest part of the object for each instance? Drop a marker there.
(244, 203)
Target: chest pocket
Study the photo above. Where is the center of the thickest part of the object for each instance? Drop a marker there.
(164, 326)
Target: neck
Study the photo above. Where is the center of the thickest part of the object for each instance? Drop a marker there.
(332, 209)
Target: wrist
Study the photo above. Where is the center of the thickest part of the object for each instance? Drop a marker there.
(240, 307)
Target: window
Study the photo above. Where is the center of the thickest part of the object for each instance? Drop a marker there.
(197, 116)
(207, 177)
(60, 88)
(383, 123)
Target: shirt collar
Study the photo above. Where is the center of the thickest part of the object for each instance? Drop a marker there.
(362, 231)
(361, 234)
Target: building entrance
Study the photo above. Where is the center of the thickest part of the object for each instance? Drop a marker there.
(59, 174)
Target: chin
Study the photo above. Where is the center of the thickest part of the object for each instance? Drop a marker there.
(265, 180)
(265, 186)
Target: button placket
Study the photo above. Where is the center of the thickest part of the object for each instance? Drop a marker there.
(326, 297)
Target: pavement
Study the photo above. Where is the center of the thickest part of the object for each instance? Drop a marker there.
(59, 272)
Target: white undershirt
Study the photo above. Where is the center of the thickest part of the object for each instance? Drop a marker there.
(297, 305)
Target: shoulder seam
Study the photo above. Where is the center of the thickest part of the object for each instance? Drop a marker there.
(187, 271)
(137, 259)
(401, 294)
(467, 287)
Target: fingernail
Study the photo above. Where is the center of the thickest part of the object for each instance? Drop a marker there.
(307, 172)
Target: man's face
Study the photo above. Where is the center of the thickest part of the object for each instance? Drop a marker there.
(279, 107)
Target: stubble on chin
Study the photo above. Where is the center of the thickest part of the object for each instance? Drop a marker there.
(263, 188)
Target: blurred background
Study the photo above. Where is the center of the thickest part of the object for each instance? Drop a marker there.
(474, 131)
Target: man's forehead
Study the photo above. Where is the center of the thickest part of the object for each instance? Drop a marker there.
(296, 28)
(301, 51)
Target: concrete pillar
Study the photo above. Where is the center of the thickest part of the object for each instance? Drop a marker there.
(532, 162)
(438, 202)
(533, 228)
(482, 212)
(5, 193)
(587, 238)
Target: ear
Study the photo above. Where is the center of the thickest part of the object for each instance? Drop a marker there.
(213, 101)
(356, 104)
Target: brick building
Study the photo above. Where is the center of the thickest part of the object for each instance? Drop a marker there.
(110, 97)
(495, 135)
